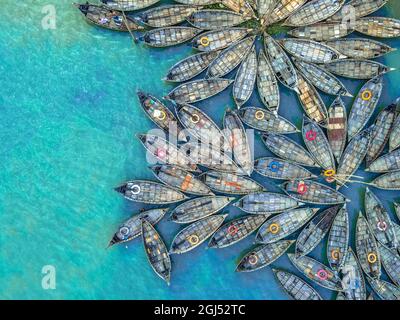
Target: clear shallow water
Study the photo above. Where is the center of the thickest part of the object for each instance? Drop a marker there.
(68, 118)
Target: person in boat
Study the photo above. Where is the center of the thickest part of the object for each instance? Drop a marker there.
(117, 20)
(349, 280)
(145, 18)
(104, 20)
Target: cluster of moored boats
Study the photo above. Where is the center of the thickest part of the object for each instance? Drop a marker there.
(336, 141)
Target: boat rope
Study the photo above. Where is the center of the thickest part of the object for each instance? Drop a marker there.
(342, 182)
(127, 26)
(363, 182)
(125, 22)
(343, 179)
(349, 176)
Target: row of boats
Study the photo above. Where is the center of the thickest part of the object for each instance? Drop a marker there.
(338, 153)
(377, 239)
(275, 216)
(336, 142)
(224, 45)
(230, 13)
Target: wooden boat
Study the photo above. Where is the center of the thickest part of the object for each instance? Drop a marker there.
(315, 231)
(280, 63)
(129, 5)
(197, 90)
(180, 179)
(212, 158)
(169, 36)
(104, 17)
(229, 183)
(156, 251)
(219, 39)
(236, 230)
(337, 127)
(317, 272)
(283, 9)
(160, 115)
(310, 51)
(266, 203)
(263, 120)
(380, 133)
(149, 192)
(295, 287)
(166, 152)
(352, 157)
(276, 168)
(314, 11)
(379, 220)
(385, 290)
(267, 84)
(284, 224)
(394, 139)
(364, 106)
(210, 19)
(322, 79)
(230, 58)
(311, 101)
(391, 263)
(196, 233)
(338, 239)
(357, 68)
(242, 7)
(190, 67)
(132, 228)
(367, 248)
(245, 79)
(322, 31)
(360, 48)
(287, 149)
(360, 8)
(312, 192)
(166, 16)
(318, 145)
(263, 256)
(238, 141)
(386, 163)
(264, 8)
(380, 27)
(198, 208)
(353, 281)
(200, 125)
(388, 181)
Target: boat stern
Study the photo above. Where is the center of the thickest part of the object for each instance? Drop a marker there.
(113, 241)
(84, 8)
(141, 95)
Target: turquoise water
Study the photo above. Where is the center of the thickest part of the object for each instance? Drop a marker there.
(68, 119)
